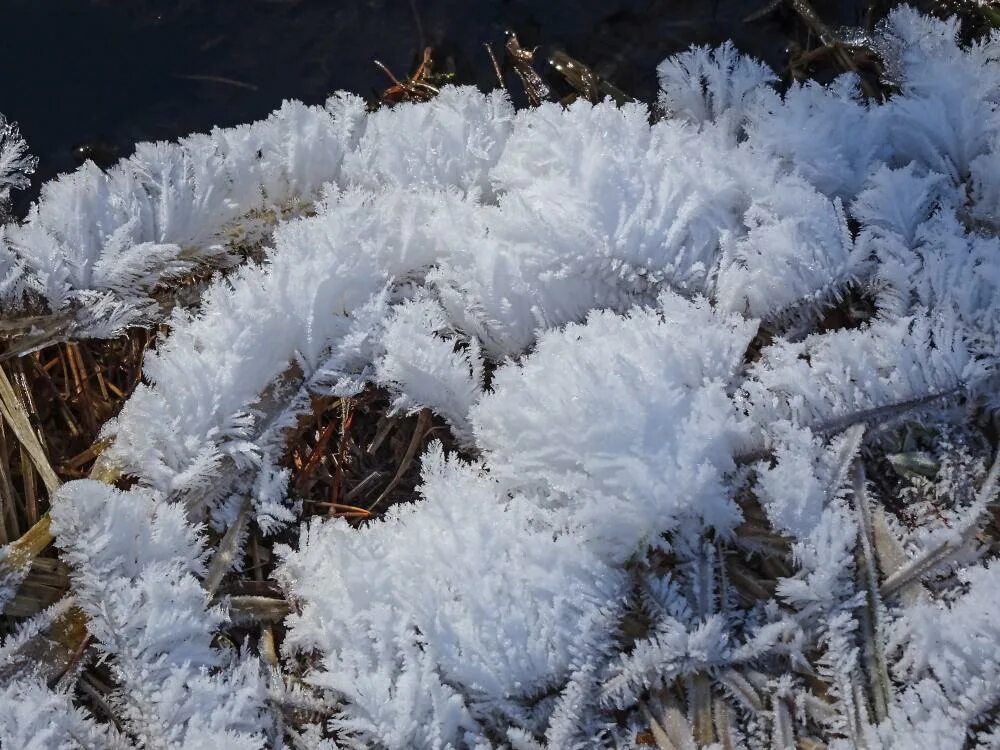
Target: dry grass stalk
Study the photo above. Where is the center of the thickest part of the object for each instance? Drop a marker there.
(226, 553)
(16, 415)
(522, 60)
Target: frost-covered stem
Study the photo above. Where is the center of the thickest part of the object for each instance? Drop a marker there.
(723, 716)
(876, 417)
(225, 554)
(701, 709)
(873, 623)
(782, 728)
(674, 729)
(16, 164)
(881, 415)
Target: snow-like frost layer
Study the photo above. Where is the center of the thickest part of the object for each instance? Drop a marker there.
(622, 425)
(427, 669)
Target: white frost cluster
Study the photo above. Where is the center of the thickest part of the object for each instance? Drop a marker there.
(136, 564)
(16, 164)
(98, 244)
(624, 323)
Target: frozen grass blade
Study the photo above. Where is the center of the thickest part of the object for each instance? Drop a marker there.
(872, 624)
(16, 416)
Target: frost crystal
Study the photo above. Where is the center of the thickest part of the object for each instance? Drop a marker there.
(16, 164)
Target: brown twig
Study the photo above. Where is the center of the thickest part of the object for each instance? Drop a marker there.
(833, 43)
(523, 61)
(496, 65)
(423, 422)
(415, 88)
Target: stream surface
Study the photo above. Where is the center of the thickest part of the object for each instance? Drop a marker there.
(90, 78)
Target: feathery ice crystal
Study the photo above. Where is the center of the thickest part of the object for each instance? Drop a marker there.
(675, 351)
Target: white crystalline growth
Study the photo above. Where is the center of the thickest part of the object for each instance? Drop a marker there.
(16, 164)
(419, 665)
(113, 237)
(135, 571)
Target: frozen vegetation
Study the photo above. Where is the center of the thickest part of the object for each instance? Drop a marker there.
(718, 376)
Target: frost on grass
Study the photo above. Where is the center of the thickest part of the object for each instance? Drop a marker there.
(98, 244)
(136, 568)
(716, 378)
(417, 662)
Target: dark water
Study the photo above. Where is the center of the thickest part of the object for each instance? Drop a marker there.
(107, 73)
